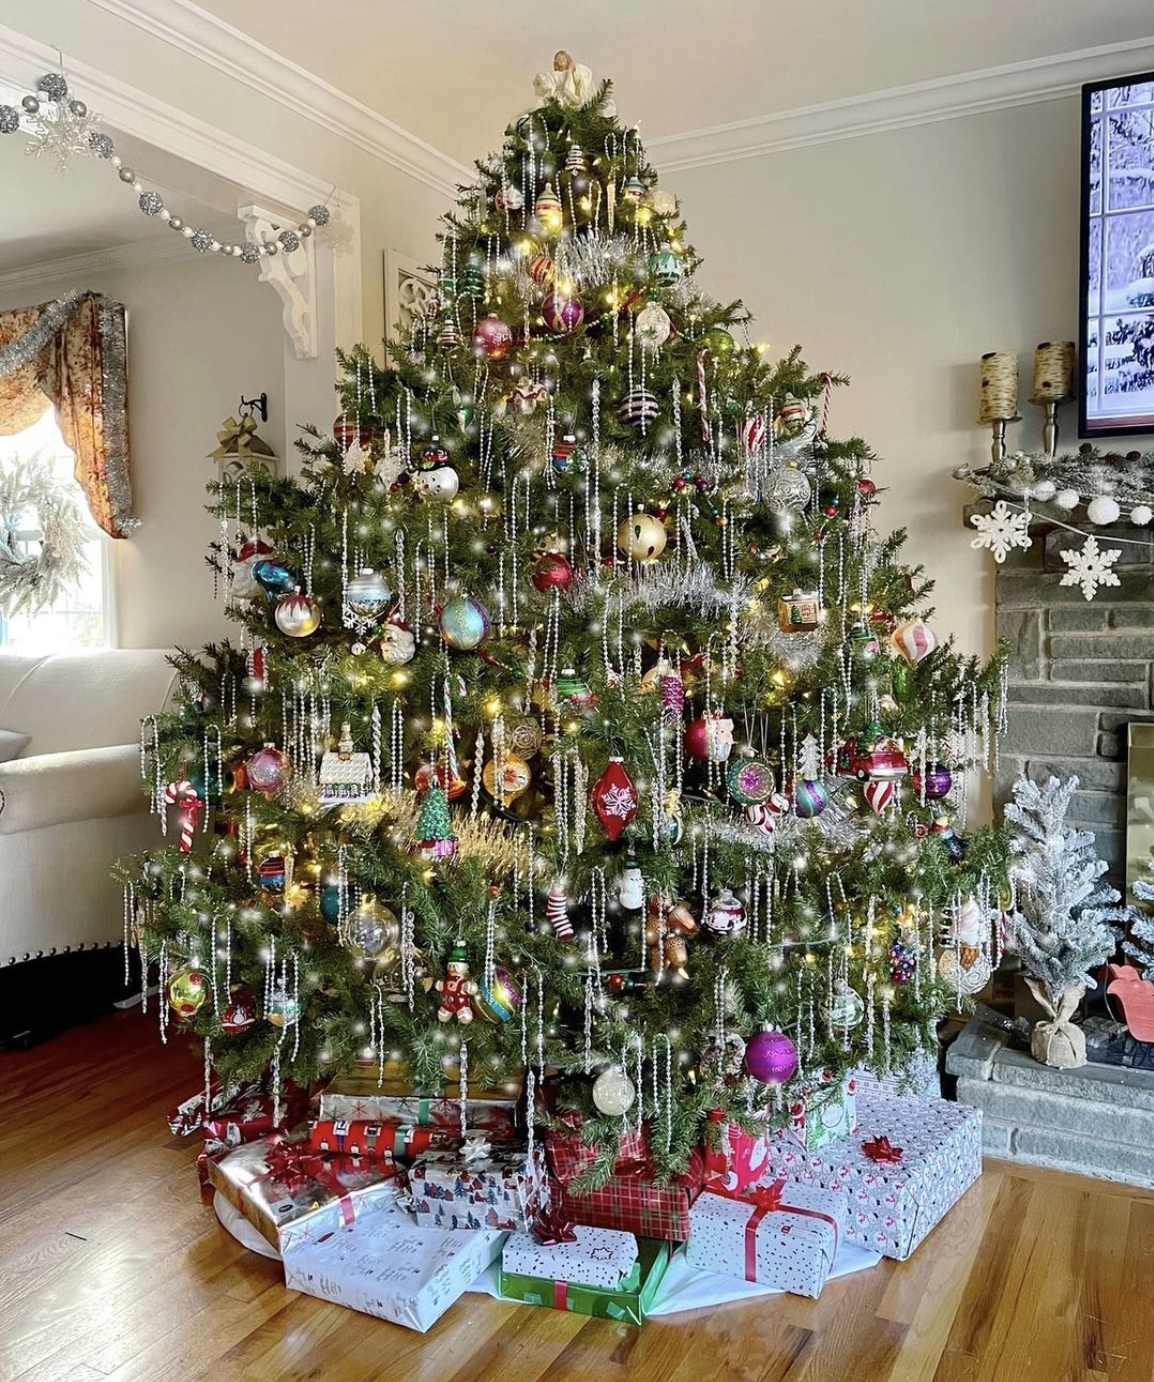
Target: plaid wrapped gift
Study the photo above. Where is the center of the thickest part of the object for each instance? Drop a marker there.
(250, 1116)
(908, 1163)
(289, 1193)
(500, 1190)
(498, 1121)
(390, 1268)
(780, 1235)
(634, 1201)
(627, 1303)
(570, 1157)
(824, 1112)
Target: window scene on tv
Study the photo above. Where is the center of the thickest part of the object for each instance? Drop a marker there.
(1119, 327)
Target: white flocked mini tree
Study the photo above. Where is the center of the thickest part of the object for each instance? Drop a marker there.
(1064, 917)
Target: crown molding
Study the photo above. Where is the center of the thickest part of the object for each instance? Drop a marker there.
(145, 117)
(134, 256)
(238, 55)
(921, 103)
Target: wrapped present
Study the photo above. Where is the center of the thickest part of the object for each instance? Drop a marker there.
(576, 1254)
(733, 1157)
(250, 1116)
(395, 1082)
(386, 1141)
(908, 1163)
(634, 1201)
(478, 1186)
(570, 1156)
(824, 1112)
(189, 1116)
(390, 1268)
(628, 1302)
(497, 1120)
(780, 1235)
(290, 1193)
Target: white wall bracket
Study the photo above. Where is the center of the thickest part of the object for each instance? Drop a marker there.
(291, 274)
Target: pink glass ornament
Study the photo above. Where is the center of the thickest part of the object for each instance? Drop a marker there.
(771, 1057)
(268, 770)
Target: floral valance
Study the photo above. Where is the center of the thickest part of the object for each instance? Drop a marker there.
(72, 352)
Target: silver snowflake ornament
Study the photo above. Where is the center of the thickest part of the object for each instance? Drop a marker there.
(1091, 568)
(1002, 530)
(63, 130)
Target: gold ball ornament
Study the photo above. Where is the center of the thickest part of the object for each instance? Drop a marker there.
(188, 991)
(297, 615)
(524, 737)
(642, 537)
(515, 777)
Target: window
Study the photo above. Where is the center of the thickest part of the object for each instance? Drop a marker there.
(81, 618)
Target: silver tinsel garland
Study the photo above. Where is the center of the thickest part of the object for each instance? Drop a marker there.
(24, 349)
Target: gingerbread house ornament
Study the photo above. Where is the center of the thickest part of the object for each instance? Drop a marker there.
(346, 777)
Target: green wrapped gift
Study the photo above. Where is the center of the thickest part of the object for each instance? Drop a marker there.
(629, 1303)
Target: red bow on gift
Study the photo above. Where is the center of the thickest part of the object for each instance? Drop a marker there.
(881, 1150)
(553, 1228)
(294, 1165)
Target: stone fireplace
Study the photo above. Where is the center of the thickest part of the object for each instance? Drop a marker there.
(1080, 673)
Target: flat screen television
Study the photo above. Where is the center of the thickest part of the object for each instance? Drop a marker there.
(1117, 370)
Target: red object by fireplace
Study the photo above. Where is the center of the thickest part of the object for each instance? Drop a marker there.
(1135, 997)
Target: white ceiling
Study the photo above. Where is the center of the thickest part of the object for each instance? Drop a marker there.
(453, 72)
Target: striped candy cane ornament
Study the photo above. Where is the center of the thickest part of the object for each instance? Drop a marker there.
(182, 794)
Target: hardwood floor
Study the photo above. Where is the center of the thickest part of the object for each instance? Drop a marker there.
(112, 1267)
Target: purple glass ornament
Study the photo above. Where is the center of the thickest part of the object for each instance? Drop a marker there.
(268, 770)
(771, 1057)
(562, 314)
(938, 781)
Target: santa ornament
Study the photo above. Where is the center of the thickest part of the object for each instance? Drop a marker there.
(457, 990)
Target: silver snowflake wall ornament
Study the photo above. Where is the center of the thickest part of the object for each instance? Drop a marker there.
(1091, 568)
(1002, 530)
(59, 126)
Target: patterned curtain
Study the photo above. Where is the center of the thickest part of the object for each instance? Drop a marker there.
(72, 352)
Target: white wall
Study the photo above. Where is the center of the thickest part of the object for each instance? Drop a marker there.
(198, 335)
(899, 259)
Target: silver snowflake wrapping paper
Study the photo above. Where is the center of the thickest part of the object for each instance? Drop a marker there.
(499, 1191)
(791, 1247)
(894, 1205)
(388, 1267)
(597, 1257)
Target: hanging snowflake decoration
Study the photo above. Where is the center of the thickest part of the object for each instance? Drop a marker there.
(1091, 568)
(1002, 530)
(356, 460)
(60, 126)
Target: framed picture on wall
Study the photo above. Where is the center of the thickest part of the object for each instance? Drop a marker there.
(1117, 281)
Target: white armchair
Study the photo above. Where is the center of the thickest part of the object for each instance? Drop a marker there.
(72, 803)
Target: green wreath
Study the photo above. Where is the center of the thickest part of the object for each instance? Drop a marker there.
(31, 581)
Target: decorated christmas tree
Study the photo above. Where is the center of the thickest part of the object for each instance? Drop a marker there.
(582, 729)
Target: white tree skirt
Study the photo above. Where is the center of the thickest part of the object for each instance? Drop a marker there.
(684, 1287)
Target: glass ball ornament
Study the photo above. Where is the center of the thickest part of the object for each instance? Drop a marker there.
(573, 691)
(642, 537)
(639, 408)
(789, 489)
(464, 623)
(372, 932)
(367, 594)
(493, 338)
(524, 737)
(331, 904)
(542, 270)
(509, 198)
(936, 782)
(966, 970)
(632, 189)
(499, 1001)
(297, 615)
(284, 1008)
(552, 572)
(188, 991)
(661, 202)
(844, 1008)
(652, 326)
(268, 770)
(725, 916)
(272, 577)
(240, 1013)
(515, 778)
(273, 874)
(719, 342)
(750, 781)
(770, 1057)
(613, 1092)
(548, 210)
(809, 798)
(563, 314)
(666, 266)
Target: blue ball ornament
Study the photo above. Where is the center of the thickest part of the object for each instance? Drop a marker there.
(331, 904)
(464, 623)
(809, 798)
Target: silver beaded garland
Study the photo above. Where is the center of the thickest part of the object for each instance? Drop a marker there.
(53, 85)
(290, 240)
(9, 119)
(151, 203)
(101, 145)
(202, 241)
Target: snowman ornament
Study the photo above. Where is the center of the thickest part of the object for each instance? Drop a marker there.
(457, 990)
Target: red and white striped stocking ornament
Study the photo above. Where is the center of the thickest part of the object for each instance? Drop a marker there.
(556, 911)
